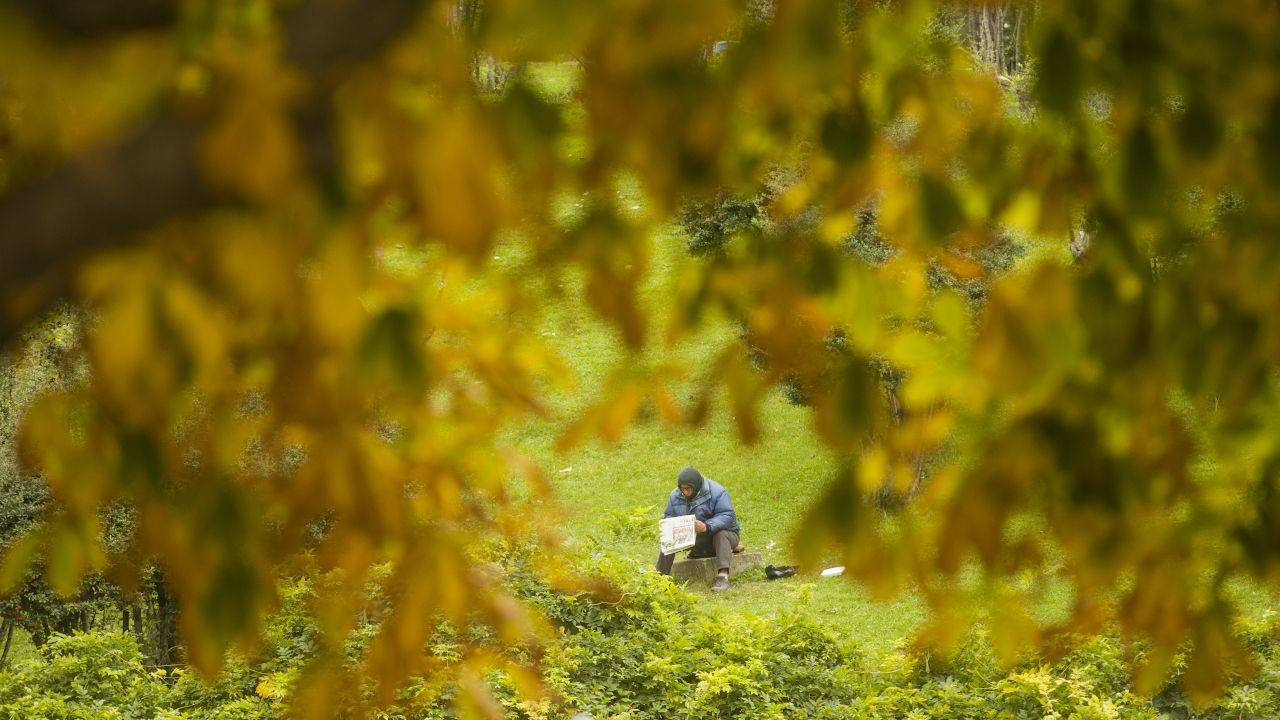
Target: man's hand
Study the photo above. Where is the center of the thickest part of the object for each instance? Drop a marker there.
(699, 526)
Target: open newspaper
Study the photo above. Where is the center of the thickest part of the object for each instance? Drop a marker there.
(676, 534)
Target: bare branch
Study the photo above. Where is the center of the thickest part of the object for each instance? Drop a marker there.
(330, 35)
(100, 200)
(108, 198)
(92, 18)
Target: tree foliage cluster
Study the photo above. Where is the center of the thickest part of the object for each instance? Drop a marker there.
(50, 358)
(214, 181)
(656, 655)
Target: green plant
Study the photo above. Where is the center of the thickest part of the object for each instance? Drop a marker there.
(87, 676)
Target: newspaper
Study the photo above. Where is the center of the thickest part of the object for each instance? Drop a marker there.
(676, 534)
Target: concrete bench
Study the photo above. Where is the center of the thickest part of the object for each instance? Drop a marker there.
(704, 569)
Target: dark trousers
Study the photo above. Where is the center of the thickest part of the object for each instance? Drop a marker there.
(718, 544)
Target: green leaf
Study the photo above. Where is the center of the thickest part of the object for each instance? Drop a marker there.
(140, 462)
(846, 134)
(858, 392)
(951, 316)
(1269, 144)
(66, 561)
(530, 118)
(392, 344)
(1058, 84)
(17, 560)
(1143, 177)
(942, 213)
(1200, 128)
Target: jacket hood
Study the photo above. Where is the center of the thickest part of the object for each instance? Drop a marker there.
(691, 477)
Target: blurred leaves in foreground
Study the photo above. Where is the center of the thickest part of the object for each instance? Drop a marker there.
(221, 191)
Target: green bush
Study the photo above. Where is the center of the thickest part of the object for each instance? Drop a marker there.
(101, 676)
(86, 676)
(656, 654)
(647, 651)
(710, 225)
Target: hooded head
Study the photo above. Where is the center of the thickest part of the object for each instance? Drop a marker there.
(691, 477)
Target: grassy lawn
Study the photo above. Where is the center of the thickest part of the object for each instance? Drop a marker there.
(21, 648)
(618, 491)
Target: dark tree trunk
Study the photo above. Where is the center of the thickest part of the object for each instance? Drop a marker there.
(136, 612)
(7, 631)
(986, 25)
(166, 625)
(50, 225)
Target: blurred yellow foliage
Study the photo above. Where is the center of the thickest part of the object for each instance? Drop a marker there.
(268, 390)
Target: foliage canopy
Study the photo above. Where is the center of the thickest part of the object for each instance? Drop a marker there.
(222, 183)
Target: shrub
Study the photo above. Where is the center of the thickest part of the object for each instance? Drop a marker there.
(648, 651)
(87, 676)
(710, 225)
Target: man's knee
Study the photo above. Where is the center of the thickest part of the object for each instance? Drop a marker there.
(664, 563)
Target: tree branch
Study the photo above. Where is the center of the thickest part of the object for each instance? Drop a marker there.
(7, 631)
(100, 200)
(92, 18)
(108, 198)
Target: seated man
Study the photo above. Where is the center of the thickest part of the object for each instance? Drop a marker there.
(717, 525)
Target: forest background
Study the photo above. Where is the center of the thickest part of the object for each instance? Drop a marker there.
(302, 300)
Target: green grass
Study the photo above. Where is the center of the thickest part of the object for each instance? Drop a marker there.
(554, 81)
(876, 627)
(21, 648)
(617, 491)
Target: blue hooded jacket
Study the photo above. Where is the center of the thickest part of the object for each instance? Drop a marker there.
(710, 504)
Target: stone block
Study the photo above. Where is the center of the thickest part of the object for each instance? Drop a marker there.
(704, 569)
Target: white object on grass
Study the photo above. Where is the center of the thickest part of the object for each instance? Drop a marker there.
(833, 571)
(676, 534)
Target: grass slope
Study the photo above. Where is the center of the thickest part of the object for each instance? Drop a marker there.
(618, 491)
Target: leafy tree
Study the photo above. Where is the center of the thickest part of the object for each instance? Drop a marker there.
(49, 358)
(214, 181)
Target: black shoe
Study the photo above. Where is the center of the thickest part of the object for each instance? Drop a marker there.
(773, 572)
(721, 583)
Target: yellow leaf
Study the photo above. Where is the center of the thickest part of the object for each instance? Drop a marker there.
(951, 316)
(1014, 632)
(618, 414)
(459, 183)
(1023, 213)
(945, 630)
(666, 405)
(72, 551)
(252, 149)
(476, 702)
(334, 286)
(17, 560)
(1149, 676)
(254, 264)
(1206, 673)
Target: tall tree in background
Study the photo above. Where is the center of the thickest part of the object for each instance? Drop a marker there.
(51, 358)
(998, 33)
